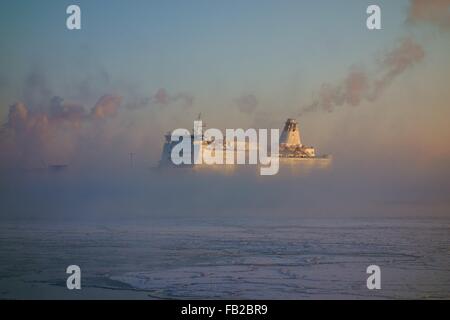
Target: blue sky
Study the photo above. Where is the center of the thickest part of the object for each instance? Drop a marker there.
(282, 52)
(210, 48)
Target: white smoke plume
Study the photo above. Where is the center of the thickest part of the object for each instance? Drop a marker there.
(434, 12)
(359, 86)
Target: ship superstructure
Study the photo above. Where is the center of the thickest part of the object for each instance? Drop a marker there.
(290, 146)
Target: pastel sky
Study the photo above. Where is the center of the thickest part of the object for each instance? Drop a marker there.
(217, 54)
(280, 51)
(378, 101)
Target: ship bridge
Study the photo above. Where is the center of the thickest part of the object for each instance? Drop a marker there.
(290, 137)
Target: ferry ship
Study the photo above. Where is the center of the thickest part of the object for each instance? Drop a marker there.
(291, 148)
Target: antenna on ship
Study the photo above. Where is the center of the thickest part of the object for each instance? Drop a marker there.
(199, 118)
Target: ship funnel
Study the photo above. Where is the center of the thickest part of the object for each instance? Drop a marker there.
(290, 137)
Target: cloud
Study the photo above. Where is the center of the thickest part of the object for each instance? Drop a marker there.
(66, 111)
(17, 116)
(435, 12)
(359, 85)
(397, 61)
(25, 135)
(161, 98)
(31, 135)
(247, 103)
(44, 128)
(106, 107)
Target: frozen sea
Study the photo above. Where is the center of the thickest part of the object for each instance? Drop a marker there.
(219, 259)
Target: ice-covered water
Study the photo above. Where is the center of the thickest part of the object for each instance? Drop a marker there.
(289, 259)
